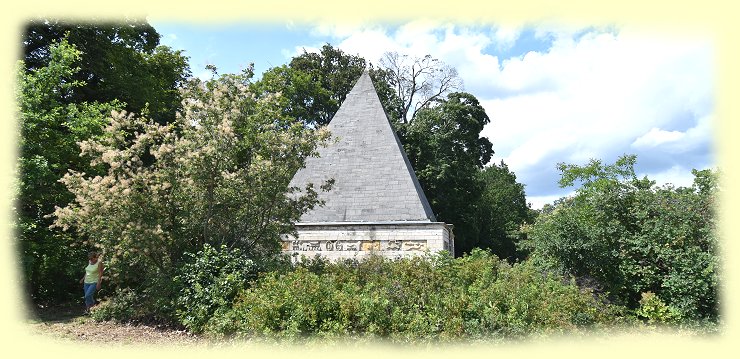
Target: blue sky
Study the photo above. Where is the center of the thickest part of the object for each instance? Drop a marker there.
(555, 93)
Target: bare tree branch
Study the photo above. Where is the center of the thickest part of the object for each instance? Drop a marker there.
(419, 81)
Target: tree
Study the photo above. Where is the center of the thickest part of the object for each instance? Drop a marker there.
(71, 77)
(388, 97)
(503, 211)
(632, 237)
(444, 145)
(418, 81)
(314, 85)
(302, 97)
(335, 71)
(118, 61)
(50, 128)
(219, 176)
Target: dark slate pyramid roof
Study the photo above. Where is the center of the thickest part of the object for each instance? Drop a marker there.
(374, 181)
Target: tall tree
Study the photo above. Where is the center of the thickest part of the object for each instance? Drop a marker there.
(314, 85)
(50, 128)
(118, 61)
(444, 145)
(71, 77)
(301, 97)
(335, 71)
(503, 211)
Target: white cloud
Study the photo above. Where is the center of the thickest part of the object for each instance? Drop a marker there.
(677, 175)
(657, 137)
(676, 142)
(298, 50)
(505, 37)
(538, 202)
(171, 40)
(593, 94)
(369, 43)
(596, 96)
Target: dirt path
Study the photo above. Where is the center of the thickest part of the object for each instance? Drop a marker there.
(70, 323)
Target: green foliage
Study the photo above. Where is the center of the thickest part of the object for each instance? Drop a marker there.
(118, 61)
(655, 311)
(210, 280)
(444, 146)
(314, 85)
(121, 307)
(219, 175)
(335, 72)
(50, 129)
(633, 237)
(419, 298)
(503, 211)
(302, 97)
(72, 77)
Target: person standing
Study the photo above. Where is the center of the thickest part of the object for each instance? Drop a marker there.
(92, 279)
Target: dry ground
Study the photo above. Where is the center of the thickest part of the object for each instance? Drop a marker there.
(70, 323)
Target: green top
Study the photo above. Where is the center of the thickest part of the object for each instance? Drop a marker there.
(92, 274)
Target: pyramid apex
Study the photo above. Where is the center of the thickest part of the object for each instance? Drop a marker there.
(374, 180)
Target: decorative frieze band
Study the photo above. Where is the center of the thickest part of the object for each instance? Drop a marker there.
(355, 245)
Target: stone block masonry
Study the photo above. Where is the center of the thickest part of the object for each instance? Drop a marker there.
(357, 240)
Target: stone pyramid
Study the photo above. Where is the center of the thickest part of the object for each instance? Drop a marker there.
(374, 181)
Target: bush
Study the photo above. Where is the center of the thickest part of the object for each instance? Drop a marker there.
(632, 237)
(655, 311)
(210, 280)
(120, 307)
(419, 298)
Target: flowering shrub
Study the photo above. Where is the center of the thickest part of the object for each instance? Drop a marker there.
(217, 175)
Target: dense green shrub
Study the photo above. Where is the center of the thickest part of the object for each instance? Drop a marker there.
(210, 280)
(655, 311)
(419, 298)
(120, 307)
(632, 237)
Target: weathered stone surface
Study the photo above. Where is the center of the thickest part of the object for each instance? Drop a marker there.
(374, 180)
(359, 239)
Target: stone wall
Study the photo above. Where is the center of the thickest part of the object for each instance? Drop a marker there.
(356, 240)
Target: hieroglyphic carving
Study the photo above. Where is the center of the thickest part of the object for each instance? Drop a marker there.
(393, 245)
(357, 245)
(370, 245)
(414, 246)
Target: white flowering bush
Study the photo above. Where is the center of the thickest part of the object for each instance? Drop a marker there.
(217, 175)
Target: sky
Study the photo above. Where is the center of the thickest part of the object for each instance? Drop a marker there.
(554, 93)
